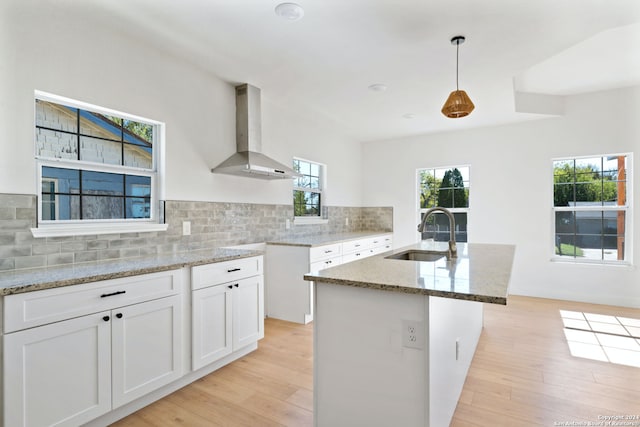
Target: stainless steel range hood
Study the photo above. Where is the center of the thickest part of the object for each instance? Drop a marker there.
(248, 161)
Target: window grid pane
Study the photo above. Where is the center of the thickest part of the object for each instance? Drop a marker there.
(445, 187)
(582, 231)
(307, 193)
(69, 194)
(76, 134)
(448, 188)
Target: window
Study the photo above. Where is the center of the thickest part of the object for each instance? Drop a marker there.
(307, 190)
(97, 169)
(447, 188)
(591, 208)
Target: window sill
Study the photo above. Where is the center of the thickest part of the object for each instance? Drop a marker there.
(94, 229)
(305, 220)
(592, 263)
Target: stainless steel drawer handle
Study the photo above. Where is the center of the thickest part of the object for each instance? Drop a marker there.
(112, 294)
(233, 269)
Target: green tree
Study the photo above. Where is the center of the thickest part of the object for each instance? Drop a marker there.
(299, 203)
(582, 184)
(452, 193)
(141, 130)
(429, 185)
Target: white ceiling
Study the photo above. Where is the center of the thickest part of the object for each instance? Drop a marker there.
(325, 62)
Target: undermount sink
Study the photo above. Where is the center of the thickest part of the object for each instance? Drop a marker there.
(418, 255)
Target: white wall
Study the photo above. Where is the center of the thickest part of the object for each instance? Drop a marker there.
(511, 189)
(64, 49)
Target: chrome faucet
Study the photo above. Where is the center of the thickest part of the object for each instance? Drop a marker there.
(453, 250)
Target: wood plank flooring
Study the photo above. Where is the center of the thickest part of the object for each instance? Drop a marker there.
(523, 374)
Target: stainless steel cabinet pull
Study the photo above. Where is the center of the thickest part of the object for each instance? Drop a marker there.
(112, 294)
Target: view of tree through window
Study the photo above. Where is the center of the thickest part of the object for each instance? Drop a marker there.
(447, 188)
(307, 190)
(590, 207)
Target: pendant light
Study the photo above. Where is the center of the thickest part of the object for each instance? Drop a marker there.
(458, 104)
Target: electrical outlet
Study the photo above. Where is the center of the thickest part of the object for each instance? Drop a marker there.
(346, 221)
(412, 334)
(287, 223)
(186, 228)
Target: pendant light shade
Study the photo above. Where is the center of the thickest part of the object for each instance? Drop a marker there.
(458, 103)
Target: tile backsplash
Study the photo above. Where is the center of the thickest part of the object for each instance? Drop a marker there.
(213, 224)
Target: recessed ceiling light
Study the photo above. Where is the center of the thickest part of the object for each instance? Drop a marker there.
(378, 87)
(409, 116)
(290, 11)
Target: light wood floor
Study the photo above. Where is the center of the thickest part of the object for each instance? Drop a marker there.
(523, 374)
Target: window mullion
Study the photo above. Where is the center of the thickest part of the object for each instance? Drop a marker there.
(80, 193)
(78, 132)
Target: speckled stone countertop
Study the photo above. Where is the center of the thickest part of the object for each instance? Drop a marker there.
(480, 273)
(19, 281)
(325, 239)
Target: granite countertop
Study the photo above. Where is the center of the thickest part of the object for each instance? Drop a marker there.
(325, 239)
(480, 273)
(20, 281)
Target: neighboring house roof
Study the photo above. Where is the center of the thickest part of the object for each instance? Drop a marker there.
(112, 127)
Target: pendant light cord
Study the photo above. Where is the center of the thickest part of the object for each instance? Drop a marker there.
(457, 61)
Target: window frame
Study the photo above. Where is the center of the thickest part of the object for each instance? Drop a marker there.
(54, 228)
(627, 208)
(421, 211)
(321, 191)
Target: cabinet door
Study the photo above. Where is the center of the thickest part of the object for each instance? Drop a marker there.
(146, 347)
(58, 374)
(212, 324)
(248, 311)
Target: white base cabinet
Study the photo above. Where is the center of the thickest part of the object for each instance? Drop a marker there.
(289, 296)
(227, 315)
(69, 372)
(146, 348)
(96, 352)
(58, 374)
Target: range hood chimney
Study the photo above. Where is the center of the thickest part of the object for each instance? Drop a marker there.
(248, 160)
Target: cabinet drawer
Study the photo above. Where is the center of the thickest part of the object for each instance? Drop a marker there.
(354, 256)
(380, 249)
(381, 240)
(355, 245)
(321, 265)
(318, 253)
(227, 271)
(37, 308)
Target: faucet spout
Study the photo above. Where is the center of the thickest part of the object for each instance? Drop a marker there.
(453, 250)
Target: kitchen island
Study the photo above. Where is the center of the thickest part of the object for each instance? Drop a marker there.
(394, 338)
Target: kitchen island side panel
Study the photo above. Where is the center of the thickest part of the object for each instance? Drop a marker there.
(363, 376)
